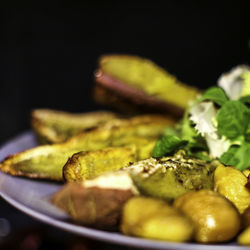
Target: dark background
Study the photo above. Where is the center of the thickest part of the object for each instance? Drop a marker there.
(48, 55)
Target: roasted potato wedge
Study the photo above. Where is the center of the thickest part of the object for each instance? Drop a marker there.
(86, 164)
(231, 182)
(90, 164)
(143, 83)
(53, 126)
(155, 219)
(97, 202)
(169, 177)
(215, 218)
(47, 161)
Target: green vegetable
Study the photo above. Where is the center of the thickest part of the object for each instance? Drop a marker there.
(170, 176)
(233, 119)
(176, 130)
(217, 124)
(188, 131)
(216, 95)
(237, 156)
(167, 145)
(172, 141)
(245, 99)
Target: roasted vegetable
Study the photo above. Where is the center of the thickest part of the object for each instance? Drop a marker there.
(169, 177)
(143, 83)
(52, 126)
(231, 182)
(89, 164)
(47, 161)
(97, 202)
(215, 218)
(244, 237)
(153, 218)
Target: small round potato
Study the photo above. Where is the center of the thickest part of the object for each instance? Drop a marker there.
(215, 218)
(171, 228)
(155, 219)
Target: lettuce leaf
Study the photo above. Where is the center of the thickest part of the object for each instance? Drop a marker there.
(168, 145)
(233, 119)
(216, 95)
(237, 156)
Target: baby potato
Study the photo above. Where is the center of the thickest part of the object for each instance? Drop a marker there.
(215, 218)
(231, 182)
(155, 219)
(171, 228)
(244, 237)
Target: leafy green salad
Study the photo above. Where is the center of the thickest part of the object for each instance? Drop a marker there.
(216, 125)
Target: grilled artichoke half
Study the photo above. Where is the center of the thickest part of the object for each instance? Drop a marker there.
(169, 177)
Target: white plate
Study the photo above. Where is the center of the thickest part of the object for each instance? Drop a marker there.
(32, 198)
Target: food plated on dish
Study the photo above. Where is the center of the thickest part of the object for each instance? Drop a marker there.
(178, 173)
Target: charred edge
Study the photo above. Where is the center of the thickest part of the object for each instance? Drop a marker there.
(33, 176)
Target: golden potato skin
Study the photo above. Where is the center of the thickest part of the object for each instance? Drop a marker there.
(90, 164)
(153, 218)
(244, 237)
(230, 182)
(174, 228)
(215, 218)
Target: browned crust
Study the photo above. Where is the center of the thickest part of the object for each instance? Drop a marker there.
(6, 168)
(133, 95)
(39, 176)
(67, 171)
